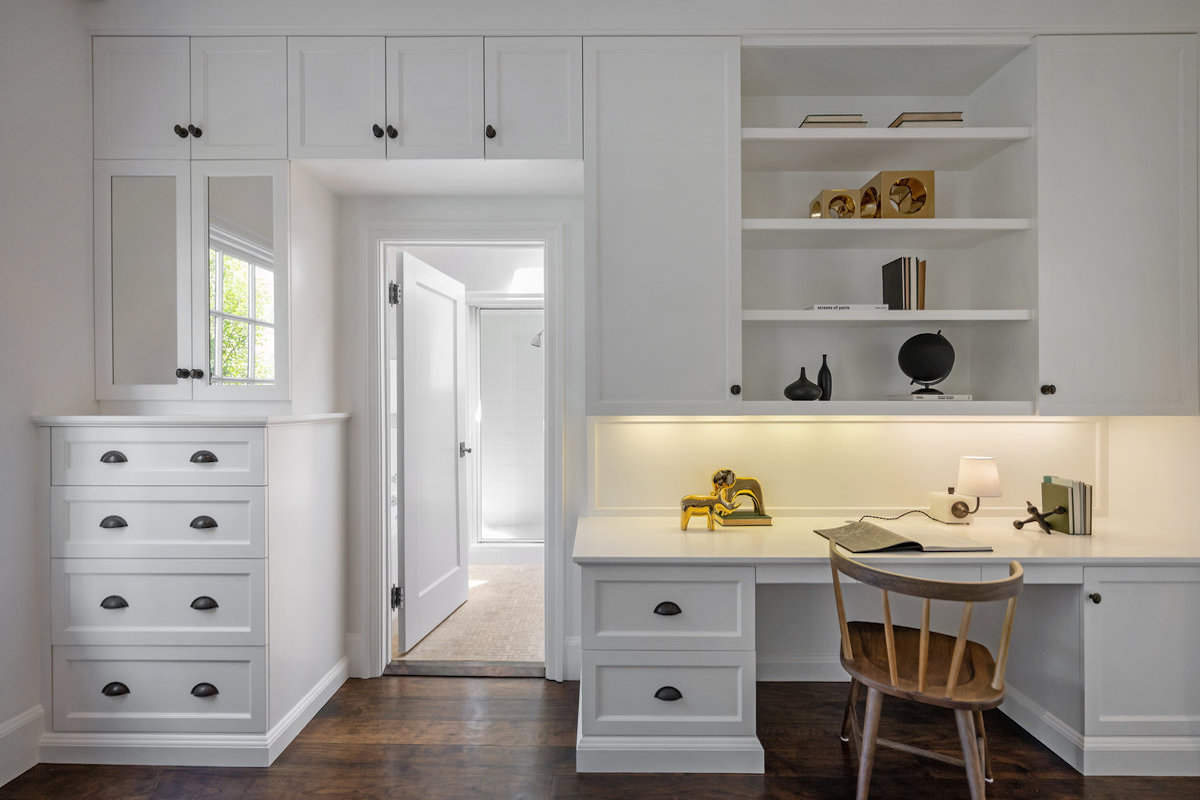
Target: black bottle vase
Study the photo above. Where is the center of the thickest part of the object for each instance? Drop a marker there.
(825, 379)
(802, 389)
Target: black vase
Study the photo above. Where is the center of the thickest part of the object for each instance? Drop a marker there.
(825, 380)
(802, 389)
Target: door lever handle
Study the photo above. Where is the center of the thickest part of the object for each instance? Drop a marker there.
(463, 449)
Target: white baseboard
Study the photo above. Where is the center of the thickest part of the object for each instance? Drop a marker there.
(1061, 738)
(195, 750)
(574, 652)
(19, 737)
(791, 667)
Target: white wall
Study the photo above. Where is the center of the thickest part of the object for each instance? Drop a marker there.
(485, 269)
(45, 319)
(312, 268)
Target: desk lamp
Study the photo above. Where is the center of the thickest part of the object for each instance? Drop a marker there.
(978, 477)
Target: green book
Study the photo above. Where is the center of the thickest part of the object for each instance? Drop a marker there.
(1053, 495)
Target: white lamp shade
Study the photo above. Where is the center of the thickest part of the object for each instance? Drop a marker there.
(978, 477)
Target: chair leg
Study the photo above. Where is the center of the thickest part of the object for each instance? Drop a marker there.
(848, 716)
(970, 751)
(985, 752)
(869, 734)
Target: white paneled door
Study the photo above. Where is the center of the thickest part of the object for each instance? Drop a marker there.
(432, 541)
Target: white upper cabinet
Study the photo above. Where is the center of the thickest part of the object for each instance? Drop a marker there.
(1117, 216)
(534, 97)
(175, 97)
(662, 187)
(336, 97)
(435, 97)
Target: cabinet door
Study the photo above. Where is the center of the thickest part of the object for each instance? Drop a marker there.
(435, 97)
(533, 98)
(335, 97)
(1116, 141)
(239, 97)
(1140, 646)
(143, 287)
(662, 199)
(140, 97)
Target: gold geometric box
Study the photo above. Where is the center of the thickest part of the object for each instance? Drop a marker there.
(898, 195)
(834, 204)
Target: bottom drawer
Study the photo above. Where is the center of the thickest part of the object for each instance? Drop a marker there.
(668, 693)
(185, 689)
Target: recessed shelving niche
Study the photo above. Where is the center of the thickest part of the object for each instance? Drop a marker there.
(980, 247)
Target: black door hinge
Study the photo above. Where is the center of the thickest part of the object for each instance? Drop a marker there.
(393, 294)
(397, 597)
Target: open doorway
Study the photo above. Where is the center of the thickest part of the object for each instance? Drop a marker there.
(469, 558)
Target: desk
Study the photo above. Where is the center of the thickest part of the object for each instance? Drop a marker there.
(1109, 686)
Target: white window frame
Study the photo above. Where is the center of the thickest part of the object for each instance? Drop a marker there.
(226, 240)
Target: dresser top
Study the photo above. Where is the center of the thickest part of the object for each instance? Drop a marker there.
(179, 420)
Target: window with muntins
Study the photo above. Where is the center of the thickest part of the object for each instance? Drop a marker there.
(241, 302)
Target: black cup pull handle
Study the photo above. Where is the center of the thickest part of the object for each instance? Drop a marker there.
(204, 603)
(113, 457)
(113, 521)
(204, 690)
(203, 457)
(114, 601)
(195, 131)
(181, 131)
(114, 689)
(203, 522)
(669, 694)
(667, 609)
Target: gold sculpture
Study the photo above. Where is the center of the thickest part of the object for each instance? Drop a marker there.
(898, 195)
(834, 204)
(693, 504)
(721, 504)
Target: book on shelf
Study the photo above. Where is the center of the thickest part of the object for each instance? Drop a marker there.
(1075, 496)
(847, 307)
(904, 284)
(928, 119)
(833, 121)
(927, 397)
(867, 537)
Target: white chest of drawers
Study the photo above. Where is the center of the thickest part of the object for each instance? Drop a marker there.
(196, 584)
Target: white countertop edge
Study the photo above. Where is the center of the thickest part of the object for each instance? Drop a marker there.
(178, 420)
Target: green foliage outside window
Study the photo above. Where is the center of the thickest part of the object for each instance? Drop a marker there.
(236, 322)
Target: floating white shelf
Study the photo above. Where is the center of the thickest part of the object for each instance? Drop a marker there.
(882, 407)
(795, 316)
(808, 233)
(872, 149)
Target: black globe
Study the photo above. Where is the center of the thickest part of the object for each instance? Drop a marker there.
(926, 358)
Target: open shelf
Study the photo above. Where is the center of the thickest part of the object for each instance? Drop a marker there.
(796, 316)
(872, 149)
(807, 233)
(935, 408)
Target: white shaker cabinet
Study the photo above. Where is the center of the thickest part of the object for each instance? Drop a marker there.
(533, 97)
(435, 97)
(662, 188)
(336, 97)
(172, 97)
(1117, 218)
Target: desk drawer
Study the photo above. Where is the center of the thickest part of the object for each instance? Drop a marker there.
(668, 608)
(162, 602)
(158, 522)
(160, 689)
(629, 693)
(158, 456)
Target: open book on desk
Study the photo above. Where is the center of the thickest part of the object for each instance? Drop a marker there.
(866, 537)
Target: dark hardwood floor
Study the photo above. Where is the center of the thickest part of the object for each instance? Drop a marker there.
(433, 737)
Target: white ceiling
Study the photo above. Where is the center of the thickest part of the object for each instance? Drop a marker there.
(447, 177)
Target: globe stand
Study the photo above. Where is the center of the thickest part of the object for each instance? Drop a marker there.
(926, 386)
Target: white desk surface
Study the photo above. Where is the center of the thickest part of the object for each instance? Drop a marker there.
(790, 540)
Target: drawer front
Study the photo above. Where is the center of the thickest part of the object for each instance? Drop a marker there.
(160, 689)
(158, 456)
(164, 602)
(158, 522)
(668, 608)
(629, 693)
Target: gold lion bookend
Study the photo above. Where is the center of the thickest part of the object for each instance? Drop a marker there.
(721, 505)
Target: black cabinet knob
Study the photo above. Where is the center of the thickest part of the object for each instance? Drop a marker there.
(378, 131)
(203, 457)
(194, 131)
(736, 389)
(669, 693)
(181, 131)
(667, 609)
(204, 603)
(113, 521)
(1094, 597)
(392, 132)
(183, 372)
(1049, 388)
(114, 689)
(489, 132)
(203, 522)
(196, 374)
(113, 457)
(114, 601)
(204, 690)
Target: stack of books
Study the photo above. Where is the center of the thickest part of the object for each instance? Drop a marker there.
(904, 284)
(847, 307)
(928, 119)
(1075, 497)
(833, 121)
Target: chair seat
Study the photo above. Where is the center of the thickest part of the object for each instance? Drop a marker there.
(972, 689)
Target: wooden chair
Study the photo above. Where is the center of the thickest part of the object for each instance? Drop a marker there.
(923, 665)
